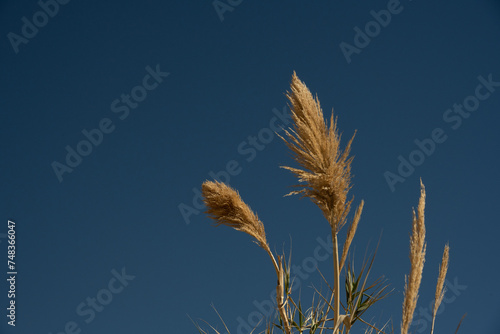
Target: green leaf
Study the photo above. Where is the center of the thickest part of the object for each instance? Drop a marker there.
(301, 320)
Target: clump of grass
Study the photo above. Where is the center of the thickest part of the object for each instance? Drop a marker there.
(324, 176)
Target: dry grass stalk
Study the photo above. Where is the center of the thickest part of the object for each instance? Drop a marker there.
(460, 323)
(226, 207)
(350, 234)
(440, 289)
(417, 259)
(326, 174)
(280, 296)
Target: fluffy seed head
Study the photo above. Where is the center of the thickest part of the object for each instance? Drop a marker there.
(440, 289)
(226, 207)
(443, 268)
(417, 259)
(325, 176)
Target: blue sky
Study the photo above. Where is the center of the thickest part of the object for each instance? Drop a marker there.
(113, 113)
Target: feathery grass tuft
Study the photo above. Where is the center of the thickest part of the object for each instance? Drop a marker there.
(326, 174)
(226, 207)
(417, 259)
(440, 289)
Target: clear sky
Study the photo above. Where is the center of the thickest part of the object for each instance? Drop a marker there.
(113, 113)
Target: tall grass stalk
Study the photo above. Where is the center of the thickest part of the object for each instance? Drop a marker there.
(226, 207)
(417, 259)
(325, 173)
(440, 289)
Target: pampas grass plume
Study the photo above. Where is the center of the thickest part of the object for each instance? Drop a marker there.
(440, 289)
(417, 259)
(325, 176)
(225, 207)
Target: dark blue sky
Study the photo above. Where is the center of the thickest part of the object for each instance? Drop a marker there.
(112, 112)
